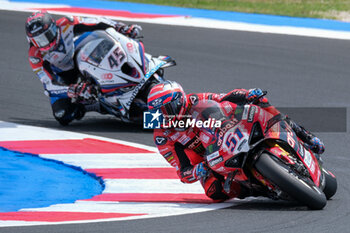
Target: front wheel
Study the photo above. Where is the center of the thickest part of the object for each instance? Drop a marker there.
(331, 184)
(290, 182)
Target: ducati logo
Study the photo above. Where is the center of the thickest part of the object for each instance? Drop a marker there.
(193, 99)
(161, 140)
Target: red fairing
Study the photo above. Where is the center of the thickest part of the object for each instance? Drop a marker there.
(226, 143)
(286, 134)
(235, 132)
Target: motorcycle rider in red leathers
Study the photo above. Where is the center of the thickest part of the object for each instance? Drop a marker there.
(51, 56)
(183, 148)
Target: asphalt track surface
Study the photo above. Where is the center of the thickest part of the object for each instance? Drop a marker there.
(296, 71)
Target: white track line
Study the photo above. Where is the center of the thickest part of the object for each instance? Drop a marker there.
(15, 132)
(133, 208)
(132, 160)
(150, 186)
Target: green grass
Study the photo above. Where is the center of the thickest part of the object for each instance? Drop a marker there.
(331, 9)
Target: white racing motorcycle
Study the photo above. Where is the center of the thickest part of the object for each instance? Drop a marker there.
(121, 72)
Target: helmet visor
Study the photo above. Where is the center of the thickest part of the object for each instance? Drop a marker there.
(45, 39)
(174, 107)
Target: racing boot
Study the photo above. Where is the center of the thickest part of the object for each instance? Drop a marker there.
(311, 141)
(237, 189)
(212, 184)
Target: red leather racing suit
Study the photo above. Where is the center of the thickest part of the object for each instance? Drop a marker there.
(183, 148)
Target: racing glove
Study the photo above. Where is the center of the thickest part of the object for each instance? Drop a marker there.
(81, 90)
(132, 30)
(316, 145)
(254, 95)
(200, 170)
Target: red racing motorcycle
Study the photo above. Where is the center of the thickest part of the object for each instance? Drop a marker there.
(262, 152)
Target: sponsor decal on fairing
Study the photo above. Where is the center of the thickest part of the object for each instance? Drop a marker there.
(216, 161)
(251, 114)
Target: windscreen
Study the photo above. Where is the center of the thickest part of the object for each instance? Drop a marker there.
(100, 51)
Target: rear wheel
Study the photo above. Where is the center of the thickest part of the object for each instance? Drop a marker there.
(290, 182)
(331, 184)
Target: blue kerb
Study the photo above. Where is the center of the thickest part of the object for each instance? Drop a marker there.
(211, 14)
(29, 181)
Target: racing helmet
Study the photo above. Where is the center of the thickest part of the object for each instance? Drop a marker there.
(41, 30)
(169, 97)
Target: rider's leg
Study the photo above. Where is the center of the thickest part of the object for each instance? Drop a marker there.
(213, 186)
(313, 142)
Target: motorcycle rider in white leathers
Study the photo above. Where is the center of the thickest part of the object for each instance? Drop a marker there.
(51, 56)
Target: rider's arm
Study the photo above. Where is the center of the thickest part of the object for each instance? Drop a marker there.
(238, 96)
(52, 88)
(87, 24)
(175, 154)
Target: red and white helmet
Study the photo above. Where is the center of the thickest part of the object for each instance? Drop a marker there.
(169, 97)
(42, 31)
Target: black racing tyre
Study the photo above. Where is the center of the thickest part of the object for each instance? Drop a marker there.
(64, 122)
(298, 189)
(65, 111)
(331, 184)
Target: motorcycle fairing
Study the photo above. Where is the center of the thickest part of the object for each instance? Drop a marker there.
(105, 58)
(144, 59)
(118, 65)
(283, 132)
